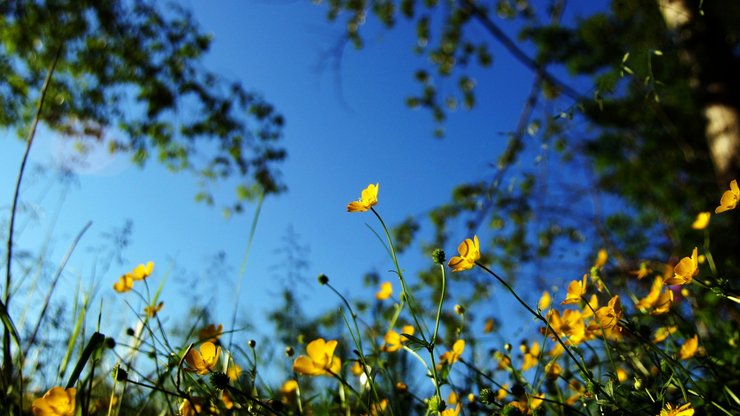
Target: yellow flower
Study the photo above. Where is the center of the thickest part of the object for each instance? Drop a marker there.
(658, 298)
(454, 354)
(607, 316)
(685, 270)
(601, 258)
(701, 221)
(452, 412)
(211, 332)
(684, 410)
(531, 355)
(289, 387)
(379, 408)
(729, 198)
(545, 301)
(394, 340)
(553, 370)
(56, 402)
(368, 199)
(203, 361)
(622, 375)
(227, 400)
(233, 372)
(152, 310)
(641, 272)
(192, 407)
(142, 271)
(688, 349)
(452, 398)
(502, 392)
(469, 253)
(570, 325)
(576, 289)
(124, 283)
(320, 359)
(664, 332)
(386, 290)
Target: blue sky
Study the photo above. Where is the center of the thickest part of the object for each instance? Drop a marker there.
(340, 136)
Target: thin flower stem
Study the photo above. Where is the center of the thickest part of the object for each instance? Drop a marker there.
(405, 293)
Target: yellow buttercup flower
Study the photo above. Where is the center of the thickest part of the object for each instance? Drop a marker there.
(211, 332)
(56, 402)
(622, 375)
(203, 361)
(553, 370)
(454, 354)
(394, 341)
(664, 332)
(385, 292)
(151, 311)
(531, 355)
(685, 271)
(683, 410)
(729, 198)
(452, 412)
(469, 251)
(576, 289)
(289, 387)
(607, 316)
(234, 371)
(142, 271)
(570, 325)
(545, 301)
(320, 359)
(688, 349)
(701, 221)
(379, 408)
(124, 283)
(368, 199)
(601, 258)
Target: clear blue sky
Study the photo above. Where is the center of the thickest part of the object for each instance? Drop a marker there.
(339, 136)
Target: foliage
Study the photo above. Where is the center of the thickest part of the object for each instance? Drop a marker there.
(130, 77)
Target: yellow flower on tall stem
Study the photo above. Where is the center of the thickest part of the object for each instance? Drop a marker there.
(56, 402)
(469, 251)
(683, 410)
(576, 289)
(203, 361)
(394, 341)
(368, 199)
(685, 271)
(320, 360)
(689, 347)
(124, 283)
(701, 221)
(454, 354)
(385, 292)
(729, 198)
(142, 271)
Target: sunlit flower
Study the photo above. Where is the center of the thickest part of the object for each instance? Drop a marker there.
(570, 325)
(142, 271)
(576, 289)
(664, 332)
(531, 355)
(683, 410)
(607, 316)
(385, 292)
(320, 359)
(504, 361)
(502, 392)
(233, 371)
(601, 258)
(227, 400)
(289, 387)
(545, 301)
(378, 408)
(394, 341)
(192, 407)
(685, 270)
(590, 308)
(454, 354)
(642, 272)
(151, 311)
(203, 361)
(124, 283)
(451, 411)
(657, 298)
(729, 198)
(357, 369)
(469, 251)
(452, 398)
(701, 221)
(211, 332)
(553, 370)
(689, 347)
(56, 402)
(622, 375)
(368, 199)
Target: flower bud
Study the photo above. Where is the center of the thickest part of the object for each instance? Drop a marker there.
(438, 256)
(252, 343)
(323, 279)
